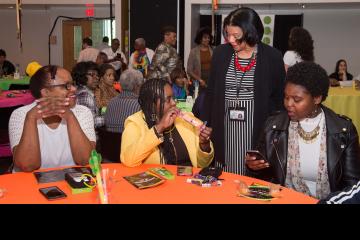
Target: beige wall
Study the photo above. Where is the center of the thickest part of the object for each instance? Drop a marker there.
(36, 25)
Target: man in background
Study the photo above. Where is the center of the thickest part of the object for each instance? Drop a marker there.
(6, 67)
(88, 53)
(104, 44)
(141, 58)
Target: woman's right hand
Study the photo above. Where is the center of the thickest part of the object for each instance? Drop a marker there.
(50, 106)
(254, 164)
(167, 120)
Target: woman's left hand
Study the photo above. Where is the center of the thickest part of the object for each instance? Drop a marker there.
(204, 139)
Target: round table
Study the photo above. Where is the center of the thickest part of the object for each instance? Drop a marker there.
(23, 188)
(20, 98)
(345, 101)
(6, 82)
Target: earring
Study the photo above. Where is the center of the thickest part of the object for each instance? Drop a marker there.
(153, 117)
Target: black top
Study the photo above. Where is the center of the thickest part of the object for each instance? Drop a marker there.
(268, 86)
(7, 68)
(337, 76)
(181, 157)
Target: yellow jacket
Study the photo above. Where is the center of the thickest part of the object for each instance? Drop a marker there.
(139, 144)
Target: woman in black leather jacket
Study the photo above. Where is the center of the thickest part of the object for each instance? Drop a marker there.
(308, 148)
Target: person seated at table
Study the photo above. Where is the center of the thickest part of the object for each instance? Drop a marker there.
(86, 76)
(350, 195)
(6, 67)
(309, 148)
(53, 131)
(156, 135)
(105, 91)
(179, 83)
(126, 103)
(101, 58)
(340, 74)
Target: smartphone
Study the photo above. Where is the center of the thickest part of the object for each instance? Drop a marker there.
(52, 193)
(257, 154)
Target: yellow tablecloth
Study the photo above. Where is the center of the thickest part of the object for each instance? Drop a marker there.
(345, 101)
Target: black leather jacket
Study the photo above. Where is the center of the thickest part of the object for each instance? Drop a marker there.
(342, 144)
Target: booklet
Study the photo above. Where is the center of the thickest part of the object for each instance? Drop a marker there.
(162, 172)
(144, 180)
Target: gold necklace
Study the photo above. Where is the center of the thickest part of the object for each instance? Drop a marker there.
(309, 137)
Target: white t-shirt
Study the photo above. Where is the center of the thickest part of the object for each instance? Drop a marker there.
(88, 54)
(291, 58)
(310, 153)
(54, 143)
(111, 55)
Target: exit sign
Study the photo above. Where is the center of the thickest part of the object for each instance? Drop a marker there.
(90, 12)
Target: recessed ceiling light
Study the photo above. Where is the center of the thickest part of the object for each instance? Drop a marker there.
(11, 7)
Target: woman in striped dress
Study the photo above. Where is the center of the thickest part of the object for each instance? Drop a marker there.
(245, 86)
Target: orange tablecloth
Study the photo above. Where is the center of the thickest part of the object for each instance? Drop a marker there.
(23, 188)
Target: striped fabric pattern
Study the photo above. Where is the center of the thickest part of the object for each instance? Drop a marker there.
(238, 134)
(120, 108)
(350, 196)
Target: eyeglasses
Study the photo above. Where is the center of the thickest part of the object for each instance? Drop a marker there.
(67, 86)
(236, 36)
(92, 74)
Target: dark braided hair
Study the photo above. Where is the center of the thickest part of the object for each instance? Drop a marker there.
(150, 92)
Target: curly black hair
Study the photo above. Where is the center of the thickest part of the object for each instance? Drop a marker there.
(311, 76)
(300, 41)
(80, 70)
(201, 32)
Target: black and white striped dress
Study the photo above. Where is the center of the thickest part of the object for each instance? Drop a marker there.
(238, 134)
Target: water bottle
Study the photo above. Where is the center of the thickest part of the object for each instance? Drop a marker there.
(196, 92)
(17, 72)
(189, 103)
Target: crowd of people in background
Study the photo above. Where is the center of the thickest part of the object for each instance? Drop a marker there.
(246, 104)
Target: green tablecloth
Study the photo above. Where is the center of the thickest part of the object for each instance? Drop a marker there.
(345, 101)
(6, 82)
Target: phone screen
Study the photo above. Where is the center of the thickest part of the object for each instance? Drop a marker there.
(52, 193)
(257, 154)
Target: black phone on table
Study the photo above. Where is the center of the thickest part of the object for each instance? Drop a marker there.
(52, 193)
(257, 154)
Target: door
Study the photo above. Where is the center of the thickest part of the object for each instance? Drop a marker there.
(74, 31)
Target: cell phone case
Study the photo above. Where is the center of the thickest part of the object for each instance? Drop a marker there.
(52, 193)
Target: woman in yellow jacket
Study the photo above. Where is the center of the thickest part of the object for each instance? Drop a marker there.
(158, 135)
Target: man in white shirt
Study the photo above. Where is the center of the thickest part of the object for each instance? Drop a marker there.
(53, 131)
(88, 53)
(104, 44)
(116, 57)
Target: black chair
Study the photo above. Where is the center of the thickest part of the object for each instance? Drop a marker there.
(15, 86)
(5, 114)
(108, 145)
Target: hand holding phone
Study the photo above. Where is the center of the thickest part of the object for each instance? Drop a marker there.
(52, 193)
(260, 162)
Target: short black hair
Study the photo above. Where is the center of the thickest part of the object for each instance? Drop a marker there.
(168, 29)
(88, 41)
(311, 76)
(300, 41)
(178, 72)
(2, 52)
(41, 79)
(105, 39)
(201, 32)
(249, 22)
(79, 72)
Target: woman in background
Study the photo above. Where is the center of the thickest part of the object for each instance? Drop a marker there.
(301, 47)
(106, 91)
(341, 73)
